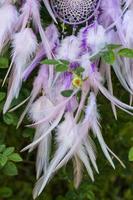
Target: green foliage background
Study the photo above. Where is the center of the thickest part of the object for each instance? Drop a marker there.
(17, 179)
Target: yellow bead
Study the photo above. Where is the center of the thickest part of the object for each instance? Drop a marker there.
(77, 81)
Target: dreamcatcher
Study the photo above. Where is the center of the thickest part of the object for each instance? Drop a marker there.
(72, 69)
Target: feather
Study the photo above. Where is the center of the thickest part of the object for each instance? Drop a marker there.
(94, 37)
(35, 62)
(44, 146)
(19, 105)
(8, 20)
(84, 158)
(127, 27)
(53, 40)
(110, 87)
(2, 2)
(121, 76)
(91, 113)
(95, 80)
(41, 183)
(77, 165)
(29, 10)
(91, 152)
(40, 80)
(53, 125)
(21, 56)
(43, 154)
(65, 140)
(114, 100)
(72, 44)
(55, 110)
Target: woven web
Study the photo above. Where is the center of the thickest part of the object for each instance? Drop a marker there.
(74, 11)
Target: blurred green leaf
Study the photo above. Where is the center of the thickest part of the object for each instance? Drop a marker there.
(113, 46)
(5, 192)
(4, 62)
(125, 52)
(15, 157)
(90, 195)
(130, 154)
(28, 133)
(67, 93)
(10, 118)
(10, 169)
(2, 147)
(60, 198)
(108, 57)
(79, 70)
(2, 95)
(3, 159)
(65, 62)
(8, 151)
(61, 68)
(50, 62)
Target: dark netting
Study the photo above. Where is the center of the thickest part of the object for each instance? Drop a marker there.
(74, 11)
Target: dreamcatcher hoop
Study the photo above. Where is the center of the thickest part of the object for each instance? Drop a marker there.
(75, 12)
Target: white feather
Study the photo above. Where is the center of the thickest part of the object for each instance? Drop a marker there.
(84, 158)
(38, 110)
(66, 134)
(69, 49)
(110, 87)
(24, 46)
(95, 37)
(85, 63)
(8, 20)
(127, 27)
(91, 113)
(38, 84)
(2, 2)
(91, 152)
(53, 125)
(43, 152)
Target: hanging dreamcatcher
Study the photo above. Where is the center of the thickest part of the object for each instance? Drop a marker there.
(73, 67)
